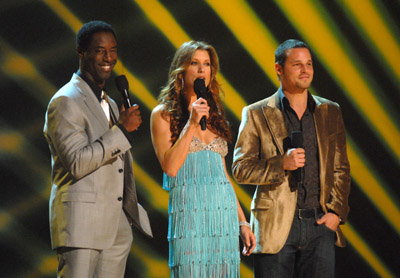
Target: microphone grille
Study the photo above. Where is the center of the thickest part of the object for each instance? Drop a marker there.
(122, 83)
(296, 139)
(199, 87)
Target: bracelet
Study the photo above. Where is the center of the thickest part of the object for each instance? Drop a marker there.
(244, 223)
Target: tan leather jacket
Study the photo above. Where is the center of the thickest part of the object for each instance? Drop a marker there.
(258, 160)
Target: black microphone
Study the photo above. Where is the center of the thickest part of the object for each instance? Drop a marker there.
(122, 84)
(296, 140)
(200, 90)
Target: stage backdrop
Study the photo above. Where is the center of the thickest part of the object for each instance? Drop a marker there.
(356, 57)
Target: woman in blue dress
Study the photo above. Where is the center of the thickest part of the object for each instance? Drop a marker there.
(205, 217)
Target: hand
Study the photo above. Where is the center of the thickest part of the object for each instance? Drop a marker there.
(130, 118)
(248, 239)
(330, 220)
(199, 109)
(293, 159)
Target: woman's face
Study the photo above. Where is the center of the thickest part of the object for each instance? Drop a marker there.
(199, 67)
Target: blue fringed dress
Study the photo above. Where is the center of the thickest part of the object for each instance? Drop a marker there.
(203, 230)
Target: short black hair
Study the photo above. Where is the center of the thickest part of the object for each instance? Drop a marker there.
(281, 51)
(84, 36)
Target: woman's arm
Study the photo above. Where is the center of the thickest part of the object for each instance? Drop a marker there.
(172, 157)
(247, 236)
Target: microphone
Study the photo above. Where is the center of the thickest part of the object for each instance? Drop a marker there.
(199, 87)
(296, 140)
(122, 84)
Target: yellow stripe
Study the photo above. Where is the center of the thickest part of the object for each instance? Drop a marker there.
(242, 195)
(233, 18)
(176, 39)
(5, 220)
(245, 271)
(311, 25)
(232, 98)
(164, 21)
(47, 265)
(65, 14)
(365, 252)
(155, 195)
(24, 72)
(364, 175)
(153, 265)
(15, 143)
(250, 32)
(377, 31)
(136, 86)
(10, 141)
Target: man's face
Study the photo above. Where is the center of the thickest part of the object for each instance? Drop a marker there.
(98, 61)
(298, 72)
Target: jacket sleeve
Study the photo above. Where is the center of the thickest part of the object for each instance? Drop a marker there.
(341, 173)
(73, 140)
(256, 159)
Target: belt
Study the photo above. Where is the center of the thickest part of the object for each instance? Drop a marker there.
(307, 213)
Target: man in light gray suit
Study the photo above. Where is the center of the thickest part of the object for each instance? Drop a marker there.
(93, 198)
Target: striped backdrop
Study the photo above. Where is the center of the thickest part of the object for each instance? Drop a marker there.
(356, 52)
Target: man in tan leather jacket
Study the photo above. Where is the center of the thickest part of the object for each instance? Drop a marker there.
(292, 145)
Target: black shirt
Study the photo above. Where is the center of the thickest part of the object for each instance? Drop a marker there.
(309, 186)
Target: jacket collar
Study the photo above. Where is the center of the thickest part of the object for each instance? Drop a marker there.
(90, 99)
(96, 89)
(283, 101)
(276, 122)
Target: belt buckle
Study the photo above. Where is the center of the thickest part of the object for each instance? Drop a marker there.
(300, 217)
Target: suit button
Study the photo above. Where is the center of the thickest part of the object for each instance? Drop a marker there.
(120, 170)
(120, 198)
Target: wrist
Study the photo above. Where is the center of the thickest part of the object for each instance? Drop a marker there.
(188, 130)
(244, 223)
(340, 218)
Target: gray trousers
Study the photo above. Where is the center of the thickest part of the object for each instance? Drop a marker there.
(92, 263)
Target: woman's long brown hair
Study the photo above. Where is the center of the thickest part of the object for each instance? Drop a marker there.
(174, 101)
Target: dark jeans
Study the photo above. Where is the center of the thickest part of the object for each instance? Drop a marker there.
(308, 252)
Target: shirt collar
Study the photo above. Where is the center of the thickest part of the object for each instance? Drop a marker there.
(284, 102)
(96, 89)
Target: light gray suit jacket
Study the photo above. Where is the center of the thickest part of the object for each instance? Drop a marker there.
(90, 163)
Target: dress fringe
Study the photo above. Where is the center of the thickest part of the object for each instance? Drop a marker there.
(203, 229)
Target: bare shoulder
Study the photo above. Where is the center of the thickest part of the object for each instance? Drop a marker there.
(159, 112)
(159, 108)
(159, 119)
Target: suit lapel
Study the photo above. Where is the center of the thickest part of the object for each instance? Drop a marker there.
(275, 122)
(91, 102)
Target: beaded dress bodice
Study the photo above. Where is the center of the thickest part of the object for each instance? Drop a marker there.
(217, 145)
